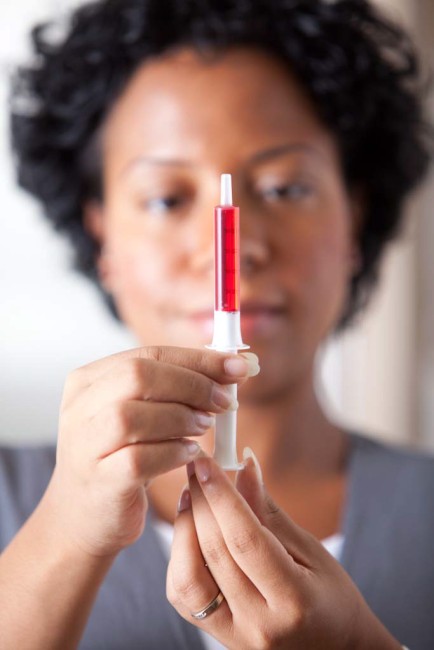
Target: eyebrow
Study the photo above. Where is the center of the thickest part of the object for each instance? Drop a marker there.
(282, 150)
(255, 159)
(157, 161)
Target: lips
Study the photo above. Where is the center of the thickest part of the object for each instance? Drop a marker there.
(262, 321)
(258, 319)
(247, 307)
(261, 307)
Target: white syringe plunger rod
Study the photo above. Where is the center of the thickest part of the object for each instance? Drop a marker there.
(226, 189)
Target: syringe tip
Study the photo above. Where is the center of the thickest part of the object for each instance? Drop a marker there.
(226, 190)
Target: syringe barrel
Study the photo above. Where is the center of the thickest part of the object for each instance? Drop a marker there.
(227, 258)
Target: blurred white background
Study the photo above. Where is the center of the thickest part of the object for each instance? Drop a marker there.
(378, 378)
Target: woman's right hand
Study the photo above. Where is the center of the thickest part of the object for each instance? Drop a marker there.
(124, 420)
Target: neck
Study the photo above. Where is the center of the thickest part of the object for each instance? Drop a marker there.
(290, 434)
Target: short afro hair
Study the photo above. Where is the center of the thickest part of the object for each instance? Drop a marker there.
(359, 68)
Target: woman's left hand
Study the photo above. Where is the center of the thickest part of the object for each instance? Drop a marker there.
(281, 588)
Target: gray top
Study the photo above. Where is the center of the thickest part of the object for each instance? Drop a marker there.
(388, 527)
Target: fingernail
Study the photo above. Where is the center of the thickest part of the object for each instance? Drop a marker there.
(249, 457)
(253, 363)
(184, 502)
(192, 448)
(202, 469)
(203, 421)
(243, 365)
(236, 367)
(223, 398)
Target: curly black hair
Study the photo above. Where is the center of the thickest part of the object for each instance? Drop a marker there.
(359, 68)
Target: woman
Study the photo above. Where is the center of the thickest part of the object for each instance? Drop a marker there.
(137, 113)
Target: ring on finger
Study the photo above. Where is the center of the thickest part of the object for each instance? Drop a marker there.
(210, 608)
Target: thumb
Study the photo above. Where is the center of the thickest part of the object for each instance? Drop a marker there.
(250, 485)
(249, 482)
(299, 543)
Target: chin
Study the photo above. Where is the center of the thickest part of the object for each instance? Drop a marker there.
(280, 374)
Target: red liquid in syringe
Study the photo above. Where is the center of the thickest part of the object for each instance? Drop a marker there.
(227, 258)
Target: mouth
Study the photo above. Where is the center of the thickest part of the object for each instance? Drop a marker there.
(262, 320)
(261, 307)
(258, 319)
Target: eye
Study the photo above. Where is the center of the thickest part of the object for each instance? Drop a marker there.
(287, 192)
(164, 204)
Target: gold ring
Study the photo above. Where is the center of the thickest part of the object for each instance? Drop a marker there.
(210, 608)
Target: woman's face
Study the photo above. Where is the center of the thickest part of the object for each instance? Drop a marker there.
(180, 123)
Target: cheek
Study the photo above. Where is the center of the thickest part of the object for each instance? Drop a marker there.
(332, 271)
(323, 271)
(331, 260)
(139, 272)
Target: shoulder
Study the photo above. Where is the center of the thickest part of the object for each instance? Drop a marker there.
(399, 460)
(388, 529)
(400, 476)
(26, 464)
(15, 456)
(24, 475)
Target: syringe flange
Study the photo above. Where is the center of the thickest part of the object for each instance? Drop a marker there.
(227, 332)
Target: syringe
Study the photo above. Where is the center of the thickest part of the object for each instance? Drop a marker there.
(227, 327)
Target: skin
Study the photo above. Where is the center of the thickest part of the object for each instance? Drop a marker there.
(129, 419)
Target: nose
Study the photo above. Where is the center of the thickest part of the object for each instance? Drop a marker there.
(254, 244)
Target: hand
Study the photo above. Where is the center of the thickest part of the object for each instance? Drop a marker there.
(124, 420)
(282, 589)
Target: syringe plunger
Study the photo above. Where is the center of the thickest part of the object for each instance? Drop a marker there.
(226, 189)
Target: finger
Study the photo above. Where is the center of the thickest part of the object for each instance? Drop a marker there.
(220, 367)
(190, 586)
(131, 422)
(298, 542)
(134, 465)
(258, 553)
(153, 381)
(237, 587)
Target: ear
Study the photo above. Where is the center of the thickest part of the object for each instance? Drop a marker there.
(94, 224)
(93, 221)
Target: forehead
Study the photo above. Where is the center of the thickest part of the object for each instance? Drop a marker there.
(183, 103)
